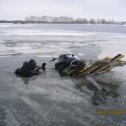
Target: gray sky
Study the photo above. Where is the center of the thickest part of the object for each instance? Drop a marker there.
(19, 9)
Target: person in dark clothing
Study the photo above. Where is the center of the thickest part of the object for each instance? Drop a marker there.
(28, 69)
(24, 70)
(43, 66)
(25, 66)
(32, 64)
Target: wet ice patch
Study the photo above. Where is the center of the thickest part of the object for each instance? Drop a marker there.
(1, 41)
(80, 54)
(26, 32)
(112, 48)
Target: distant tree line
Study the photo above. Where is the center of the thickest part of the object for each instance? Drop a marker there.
(63, 20)
(71, 20)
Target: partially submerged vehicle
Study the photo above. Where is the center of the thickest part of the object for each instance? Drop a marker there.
(77, 68)
(64, 61)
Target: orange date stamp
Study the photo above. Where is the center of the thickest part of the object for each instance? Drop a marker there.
(113, 112)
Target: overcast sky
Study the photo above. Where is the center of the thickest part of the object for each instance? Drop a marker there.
(19, 9)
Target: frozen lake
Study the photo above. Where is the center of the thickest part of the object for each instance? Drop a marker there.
(51, 100)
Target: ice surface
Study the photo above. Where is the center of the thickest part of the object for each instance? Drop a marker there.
(48, 99)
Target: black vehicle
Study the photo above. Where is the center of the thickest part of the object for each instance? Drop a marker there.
(64, 61)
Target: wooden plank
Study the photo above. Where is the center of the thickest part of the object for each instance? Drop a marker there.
(109, 64)
(93, 67)
(100, 66)
(119, 63)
